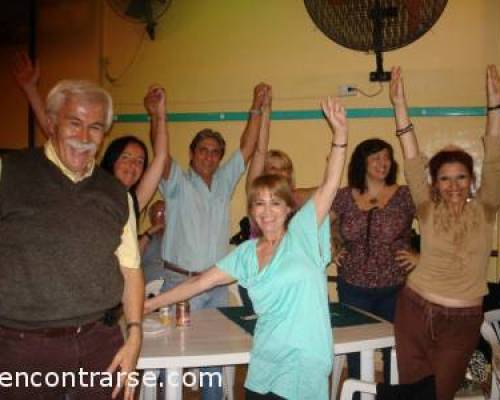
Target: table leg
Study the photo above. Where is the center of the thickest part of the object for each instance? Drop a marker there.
(148, 392)
(173, 391)
(367, 371)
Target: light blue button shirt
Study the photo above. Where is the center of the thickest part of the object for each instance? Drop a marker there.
(197, 218)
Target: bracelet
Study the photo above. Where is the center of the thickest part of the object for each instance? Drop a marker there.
(404, 130)
(493, 108)
(255, 111)
(341, 145)
(134, 324)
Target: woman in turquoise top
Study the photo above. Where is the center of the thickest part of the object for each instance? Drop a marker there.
(284, 272)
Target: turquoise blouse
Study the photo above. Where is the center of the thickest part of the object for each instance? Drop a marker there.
(292, 350)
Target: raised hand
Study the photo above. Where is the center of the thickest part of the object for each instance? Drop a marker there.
(492, 86)
(259, 94)
(268, 98)
(155, 101)
(336, 116)
(25, 72)
(396, 87)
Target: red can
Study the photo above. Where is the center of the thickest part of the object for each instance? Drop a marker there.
(182, 314)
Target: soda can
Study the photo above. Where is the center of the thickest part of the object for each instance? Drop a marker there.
(182, 314)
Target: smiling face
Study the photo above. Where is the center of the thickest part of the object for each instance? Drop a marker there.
(378, 165)
(453, 183)
(129, 166)
(270, 212)
(77, 131)
(205, 158)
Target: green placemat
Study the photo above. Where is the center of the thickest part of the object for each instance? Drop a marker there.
(340, 316)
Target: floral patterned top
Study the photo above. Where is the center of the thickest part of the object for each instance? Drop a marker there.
(372, 238)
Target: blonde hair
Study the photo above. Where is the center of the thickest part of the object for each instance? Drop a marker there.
(285, 164)
(86, 90)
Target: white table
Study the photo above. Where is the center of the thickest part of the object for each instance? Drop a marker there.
(213, 339)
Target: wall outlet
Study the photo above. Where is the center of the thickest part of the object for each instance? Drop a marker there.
(347, 90)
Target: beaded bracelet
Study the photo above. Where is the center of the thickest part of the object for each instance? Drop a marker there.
(255, 111)
(493, 108)
(404, 130)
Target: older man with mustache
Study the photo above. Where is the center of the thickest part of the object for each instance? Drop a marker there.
(68, 260)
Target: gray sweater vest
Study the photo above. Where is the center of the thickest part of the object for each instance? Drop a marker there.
(57, 243)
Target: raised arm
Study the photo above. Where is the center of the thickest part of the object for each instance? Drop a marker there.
(404, 127)
(249, 136)
(493, 98)
(337, 119)
(259, 158)
(27, 74)
(191, 287)
(155, 104)
(490, 173)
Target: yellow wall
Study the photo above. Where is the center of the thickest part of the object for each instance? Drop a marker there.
(210, 54)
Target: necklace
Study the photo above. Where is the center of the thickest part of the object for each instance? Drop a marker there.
(373, 199)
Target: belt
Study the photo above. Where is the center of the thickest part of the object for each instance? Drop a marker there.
(110, 318)
(179, 270)
(54, 332)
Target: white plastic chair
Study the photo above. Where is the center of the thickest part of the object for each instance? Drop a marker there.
(339, 363)
(490, 330)
(352, 386)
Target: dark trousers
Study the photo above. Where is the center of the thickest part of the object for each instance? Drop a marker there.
(435, 340)
(250, 395)
(45, 359)
(380, 302)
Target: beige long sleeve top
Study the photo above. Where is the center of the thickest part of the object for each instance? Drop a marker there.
(455, 251)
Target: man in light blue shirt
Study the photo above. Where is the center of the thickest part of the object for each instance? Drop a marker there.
(198, 205)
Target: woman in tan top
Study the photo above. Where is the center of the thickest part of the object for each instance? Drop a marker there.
(439, 312)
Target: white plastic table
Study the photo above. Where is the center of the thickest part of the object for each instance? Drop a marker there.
(213, 340)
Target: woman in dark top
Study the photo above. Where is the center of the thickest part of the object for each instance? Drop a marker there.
(127, 157)
(373, 216)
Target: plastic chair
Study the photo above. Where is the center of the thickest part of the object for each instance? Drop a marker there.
(394, 392)
(339, 363)
(422, 390)
(490, 330)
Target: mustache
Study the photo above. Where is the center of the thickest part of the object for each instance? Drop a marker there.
(81, 146)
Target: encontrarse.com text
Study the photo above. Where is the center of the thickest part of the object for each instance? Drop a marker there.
(105, 379)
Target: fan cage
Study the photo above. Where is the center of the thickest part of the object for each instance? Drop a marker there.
(350, 23)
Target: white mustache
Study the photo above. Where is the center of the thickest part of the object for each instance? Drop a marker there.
(81, 146)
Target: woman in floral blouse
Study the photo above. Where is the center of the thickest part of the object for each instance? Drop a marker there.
(373, 216)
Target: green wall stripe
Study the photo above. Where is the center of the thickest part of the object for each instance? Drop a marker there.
(309, 114)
